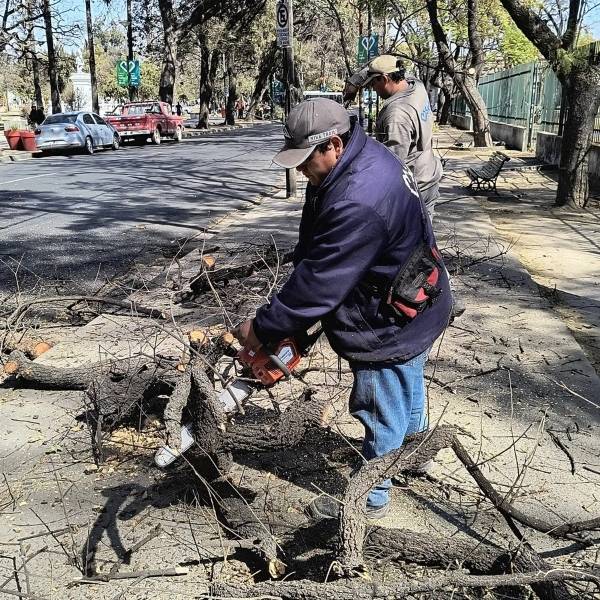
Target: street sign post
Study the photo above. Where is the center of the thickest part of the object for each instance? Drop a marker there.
(128, 73)
(285, 24)
(368, 48)
(284, 18)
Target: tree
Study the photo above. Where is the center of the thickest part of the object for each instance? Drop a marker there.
(578, 70)
(91, 55)
(465, 79)
(52, 62)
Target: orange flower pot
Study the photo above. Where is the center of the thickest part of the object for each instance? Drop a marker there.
(28, 141)
(14, 139)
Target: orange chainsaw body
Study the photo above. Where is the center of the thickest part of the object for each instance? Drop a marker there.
(263, 367)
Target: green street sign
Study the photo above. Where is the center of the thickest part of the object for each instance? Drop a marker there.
(368, 48)
(128, 73)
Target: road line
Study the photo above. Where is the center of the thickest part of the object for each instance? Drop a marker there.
(24, 178)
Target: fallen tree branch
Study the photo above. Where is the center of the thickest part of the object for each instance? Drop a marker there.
(508, 509)
(352, 525)
(354, 589)
(173, 572)
(127, 305)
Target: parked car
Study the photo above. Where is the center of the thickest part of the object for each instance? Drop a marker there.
(83, 130)
(142, 120)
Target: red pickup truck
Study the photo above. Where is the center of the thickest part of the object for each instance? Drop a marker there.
(140, 120)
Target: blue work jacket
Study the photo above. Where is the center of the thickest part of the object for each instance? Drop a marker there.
(361, 224)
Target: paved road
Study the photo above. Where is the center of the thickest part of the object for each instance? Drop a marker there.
(79, 218)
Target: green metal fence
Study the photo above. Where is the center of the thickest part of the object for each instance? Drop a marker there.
(528, 95)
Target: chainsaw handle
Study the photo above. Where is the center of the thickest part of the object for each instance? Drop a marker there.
(280, 365)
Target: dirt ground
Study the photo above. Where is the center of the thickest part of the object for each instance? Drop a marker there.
(517, 373)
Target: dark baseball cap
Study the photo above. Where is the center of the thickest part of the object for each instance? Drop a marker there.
(309, 124)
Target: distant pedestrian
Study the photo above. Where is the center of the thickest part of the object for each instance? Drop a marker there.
(178, 109)
(240, 106)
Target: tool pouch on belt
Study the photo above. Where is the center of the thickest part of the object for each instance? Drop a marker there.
(416, 284)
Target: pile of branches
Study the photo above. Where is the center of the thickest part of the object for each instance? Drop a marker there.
(117, 391)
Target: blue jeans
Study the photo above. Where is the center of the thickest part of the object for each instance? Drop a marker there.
(389, 400)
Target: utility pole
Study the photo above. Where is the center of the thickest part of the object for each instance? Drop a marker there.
(132, 90)
(361, 112)
(285, 40)
(370, 33)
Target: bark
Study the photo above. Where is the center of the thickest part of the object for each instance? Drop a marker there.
(444, 113)
(580, 77)
(52, 61)
(583, 101)
(232, 96)
(209, 61)
(352, 526)
(480, 557)
(170, 39)
(37, 88)
(367, 590)
(91, 56)
(51, 378)
(266, 68)
(465, 81)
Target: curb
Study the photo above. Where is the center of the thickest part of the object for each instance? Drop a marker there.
(16, 157)
(201, 132)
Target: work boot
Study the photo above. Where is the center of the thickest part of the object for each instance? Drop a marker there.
(327, 507)
(458, 306)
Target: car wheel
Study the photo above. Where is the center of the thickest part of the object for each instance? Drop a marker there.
(156, 136)
(178, 134)
(89, 145)
(116, 142)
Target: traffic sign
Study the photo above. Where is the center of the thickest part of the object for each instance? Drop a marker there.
(128, 73)
(368, 48)
(285, 23)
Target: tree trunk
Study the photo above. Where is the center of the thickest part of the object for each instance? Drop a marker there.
(37, 88)
(52, 70)
(92, 56)
(465, 82)
(208, 71)
(232, 92)
(583, 101)
(265, 70)
(343, 42)
(481, 125)
(167, 76)
(444, 112)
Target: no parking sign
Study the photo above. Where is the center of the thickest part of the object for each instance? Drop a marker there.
(285, 23)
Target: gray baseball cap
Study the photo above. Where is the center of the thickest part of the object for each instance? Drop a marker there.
(309, 124)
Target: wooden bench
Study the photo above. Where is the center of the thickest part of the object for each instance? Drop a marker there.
(485, 177)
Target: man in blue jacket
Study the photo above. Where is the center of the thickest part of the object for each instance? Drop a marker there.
(363, 228)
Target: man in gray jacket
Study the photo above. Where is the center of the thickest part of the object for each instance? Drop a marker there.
(405, 121)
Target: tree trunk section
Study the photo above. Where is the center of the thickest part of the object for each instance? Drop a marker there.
(208, 70)
(265, 70)
(481, 124)
(169, 67)
(232, 90)
(92, 56)
(52, 63)
(446, 105)
(583, 99)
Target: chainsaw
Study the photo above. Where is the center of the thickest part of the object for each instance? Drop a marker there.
(268, 365)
